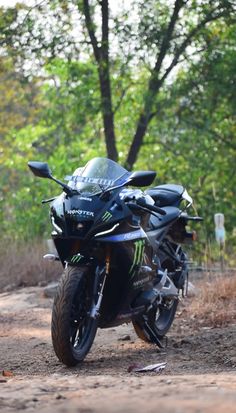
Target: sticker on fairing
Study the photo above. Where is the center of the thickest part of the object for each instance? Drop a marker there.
(88, 180)
(106, 216)
(127, 236)
(80, 213)
(138, 256)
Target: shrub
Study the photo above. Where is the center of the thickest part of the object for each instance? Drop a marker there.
(215, 303)
(22, 264)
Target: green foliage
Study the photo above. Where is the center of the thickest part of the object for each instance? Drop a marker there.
(65, 135)
(192, 139)
(56, 117)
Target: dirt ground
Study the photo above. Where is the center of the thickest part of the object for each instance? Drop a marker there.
(200, 375)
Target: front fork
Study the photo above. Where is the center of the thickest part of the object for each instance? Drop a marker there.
(100, 280)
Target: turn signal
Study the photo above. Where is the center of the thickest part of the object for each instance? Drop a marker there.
(189, 236)
(194, 236)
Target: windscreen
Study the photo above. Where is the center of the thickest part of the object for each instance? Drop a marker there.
(98, 175)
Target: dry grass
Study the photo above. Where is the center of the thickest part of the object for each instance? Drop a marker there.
(23, 265)
(215, 303)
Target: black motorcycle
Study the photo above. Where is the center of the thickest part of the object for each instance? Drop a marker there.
(121, 251)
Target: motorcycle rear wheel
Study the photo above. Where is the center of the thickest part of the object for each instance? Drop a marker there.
(72, 328)
(159, 319)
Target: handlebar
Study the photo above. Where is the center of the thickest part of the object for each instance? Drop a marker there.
(142, 204)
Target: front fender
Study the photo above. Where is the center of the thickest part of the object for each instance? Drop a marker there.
(78, 259)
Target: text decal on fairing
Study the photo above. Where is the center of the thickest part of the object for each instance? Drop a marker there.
(138, 283)
(80, 213)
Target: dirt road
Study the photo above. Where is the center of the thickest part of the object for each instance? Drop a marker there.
(200, 375)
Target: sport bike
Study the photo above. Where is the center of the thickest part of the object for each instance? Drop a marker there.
(121, 252)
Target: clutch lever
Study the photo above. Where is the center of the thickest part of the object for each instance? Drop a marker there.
(45, 201)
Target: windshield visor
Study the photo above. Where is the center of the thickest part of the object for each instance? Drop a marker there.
(98, 175)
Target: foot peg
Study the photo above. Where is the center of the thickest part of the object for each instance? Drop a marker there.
(166, 286)
(161, 279)
(51, 257)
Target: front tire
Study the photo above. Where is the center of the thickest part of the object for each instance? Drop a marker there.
(72, 328)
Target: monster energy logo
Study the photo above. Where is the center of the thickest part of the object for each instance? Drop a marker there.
(106, 216)
(76, 258)
(138, 255)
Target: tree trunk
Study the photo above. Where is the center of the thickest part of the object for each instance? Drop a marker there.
(107, 115)
(154, 86)
(137, 141)
(102, 58)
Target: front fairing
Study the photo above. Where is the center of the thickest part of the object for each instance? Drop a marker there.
(83, 216)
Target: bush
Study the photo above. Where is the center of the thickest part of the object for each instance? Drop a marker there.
(215, 303)
(22, 264)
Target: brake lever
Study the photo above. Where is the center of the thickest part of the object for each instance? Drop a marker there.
(141, 202)
(157, 209)
(134, 206)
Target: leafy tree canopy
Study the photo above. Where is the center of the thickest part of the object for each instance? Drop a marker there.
(148, 83)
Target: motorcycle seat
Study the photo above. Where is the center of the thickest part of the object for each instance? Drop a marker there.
(168, 194)
(172, 213)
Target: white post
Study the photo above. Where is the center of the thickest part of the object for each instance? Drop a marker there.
(220, 235)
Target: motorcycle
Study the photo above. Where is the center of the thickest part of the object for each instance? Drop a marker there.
(121, 252)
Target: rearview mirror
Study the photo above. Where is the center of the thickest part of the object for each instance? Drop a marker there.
(40, 169)
(142, 178)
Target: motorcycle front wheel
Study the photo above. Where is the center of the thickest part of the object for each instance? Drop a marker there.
(72, 328)
(159, 320)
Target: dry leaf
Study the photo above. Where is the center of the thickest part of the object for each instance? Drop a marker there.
(7, 373)
(151, 367)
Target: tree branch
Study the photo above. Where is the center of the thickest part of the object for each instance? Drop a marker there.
(105, 30)
(153, 88)
(156, 82)
(123, 93)
(187, 42)
(91, 31)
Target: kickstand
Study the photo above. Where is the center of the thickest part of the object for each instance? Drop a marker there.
(153, 335)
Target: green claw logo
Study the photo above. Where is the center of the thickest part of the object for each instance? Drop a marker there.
(138, 256)
(106, 216)
(76, 258)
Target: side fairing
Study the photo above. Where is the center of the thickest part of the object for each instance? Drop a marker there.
(127, 279)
